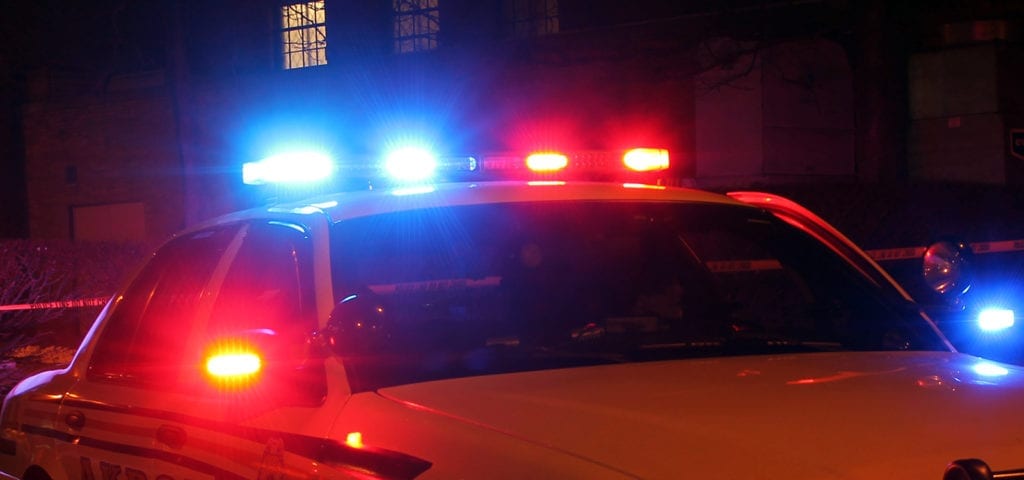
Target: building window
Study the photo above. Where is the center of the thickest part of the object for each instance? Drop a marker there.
(304, 34)
(416, 25)
(531, 18)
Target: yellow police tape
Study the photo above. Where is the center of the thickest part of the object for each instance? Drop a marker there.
(83, 302)
(881, 255)
(917, 252)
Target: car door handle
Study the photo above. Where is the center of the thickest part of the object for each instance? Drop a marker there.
(171, 436)
(75, 420)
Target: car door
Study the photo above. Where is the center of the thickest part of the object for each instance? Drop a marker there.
(116, 414)
(152, 409)
(273, 424)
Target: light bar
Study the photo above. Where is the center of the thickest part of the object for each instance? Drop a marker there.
(546, 161)
(410, 164)
(646, 159)
(292, 167)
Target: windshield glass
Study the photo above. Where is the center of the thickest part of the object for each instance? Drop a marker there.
(472, 290)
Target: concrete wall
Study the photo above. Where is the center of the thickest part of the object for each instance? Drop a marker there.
(958, 110)
(776, 114)
(958, 148)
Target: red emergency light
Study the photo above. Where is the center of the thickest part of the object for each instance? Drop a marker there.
(233, 364)
(546, 162)
(646, 159)
(582, 164)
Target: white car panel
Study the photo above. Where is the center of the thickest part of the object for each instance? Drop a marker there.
(818, 414)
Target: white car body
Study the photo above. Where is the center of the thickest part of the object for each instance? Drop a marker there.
(817, 415)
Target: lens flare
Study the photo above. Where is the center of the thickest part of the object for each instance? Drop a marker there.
(995, 319)
(410, 164)
(546, 161)
(646, 159)
(233, 364)
(291, 167)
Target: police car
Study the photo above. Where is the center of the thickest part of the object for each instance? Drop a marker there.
(542, 328)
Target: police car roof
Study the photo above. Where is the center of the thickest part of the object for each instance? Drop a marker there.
(342, 206)
(352, 204)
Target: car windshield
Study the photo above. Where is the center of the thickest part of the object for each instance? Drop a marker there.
(482, 289)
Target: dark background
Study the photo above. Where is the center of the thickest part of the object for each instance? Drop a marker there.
(124, 121)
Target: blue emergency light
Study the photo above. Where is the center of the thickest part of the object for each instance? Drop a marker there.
(410, 164)
(289, 168)
(995, 319)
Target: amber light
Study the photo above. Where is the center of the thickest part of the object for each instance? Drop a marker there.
(547, 161)
(646, 159)
(235, 365)
(354, 439)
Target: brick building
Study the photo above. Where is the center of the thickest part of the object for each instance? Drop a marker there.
(746, 93)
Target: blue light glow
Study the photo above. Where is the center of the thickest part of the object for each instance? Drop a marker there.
(292, 167)
(410, 164)
(327, 204)
(995, 319)
(416, 190)
(988, 369)
(288, 225)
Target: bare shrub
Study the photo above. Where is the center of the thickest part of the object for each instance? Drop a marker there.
(34, 272)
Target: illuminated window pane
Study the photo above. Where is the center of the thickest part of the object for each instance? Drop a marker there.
(417, 24)
(531, 18)
(304, 34)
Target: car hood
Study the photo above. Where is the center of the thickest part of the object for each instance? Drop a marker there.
(822, 415)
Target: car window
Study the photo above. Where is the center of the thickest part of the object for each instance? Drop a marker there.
(268, 286)
(265, 303)
(143, 340)
(448, 292)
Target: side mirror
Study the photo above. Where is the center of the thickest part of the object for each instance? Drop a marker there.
(946, 267)
(358, 325)
(360, 331)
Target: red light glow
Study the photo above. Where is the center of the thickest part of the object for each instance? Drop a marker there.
(646, 159)
(354, 440)
(547, 162)
(643, 186)
(233, 365)
(545, 183)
